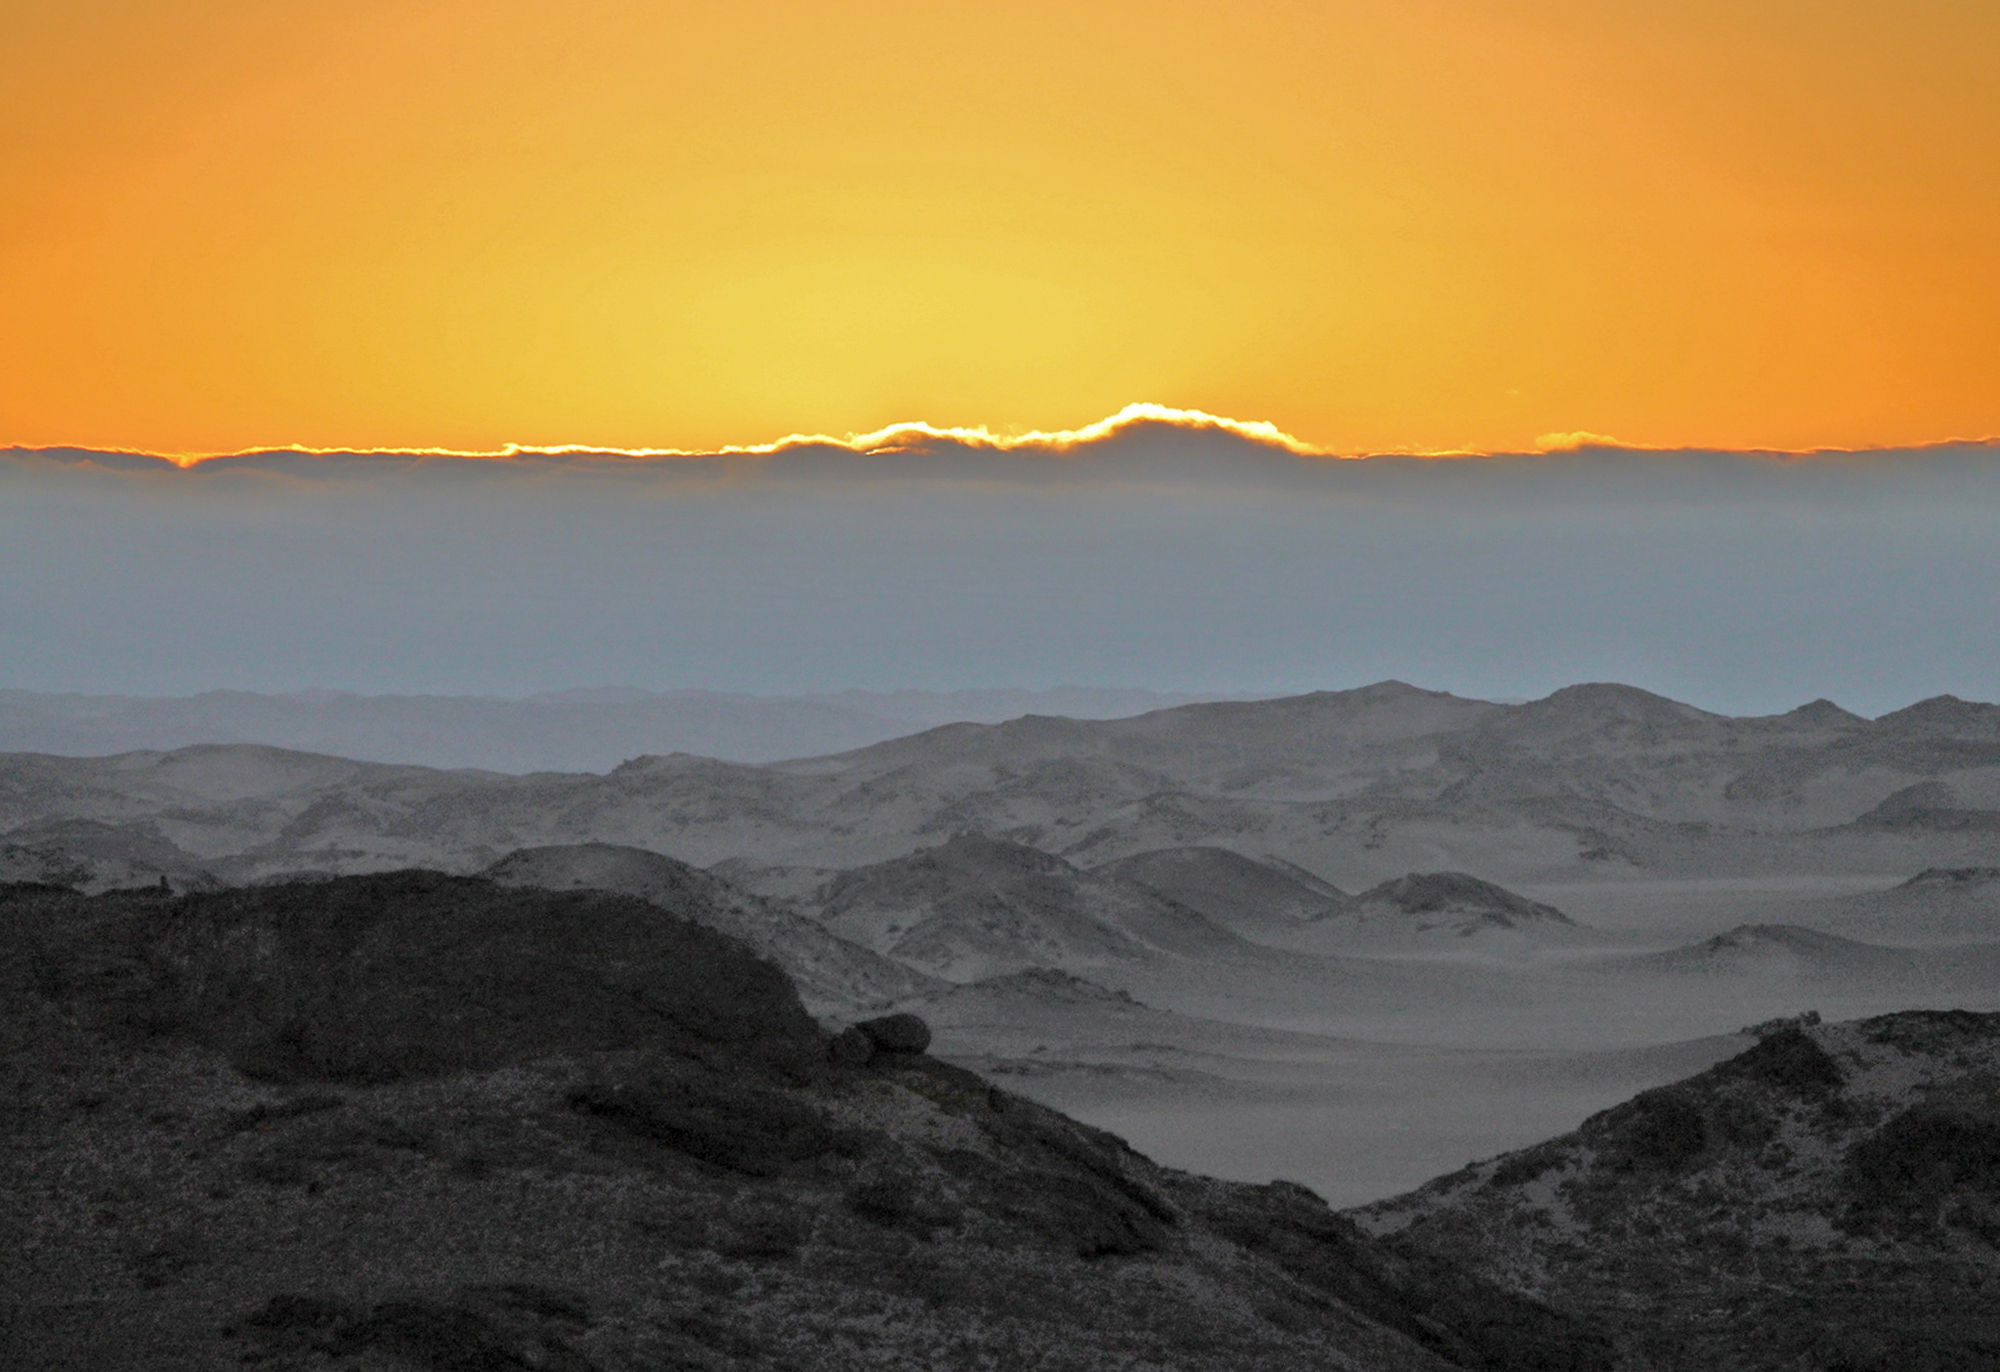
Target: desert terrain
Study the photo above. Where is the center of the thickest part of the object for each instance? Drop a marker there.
(1638, 881)
(1350, 942)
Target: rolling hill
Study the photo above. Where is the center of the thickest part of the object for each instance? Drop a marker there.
(1441, 913)
(977, 907)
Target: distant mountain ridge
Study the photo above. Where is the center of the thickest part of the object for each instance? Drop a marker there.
(1355, 787)
(587, 730)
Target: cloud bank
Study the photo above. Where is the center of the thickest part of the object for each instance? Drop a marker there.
(1159, 548)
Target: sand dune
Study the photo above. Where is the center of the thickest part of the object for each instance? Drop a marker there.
(1351, 1117)
(1937, 907)
(1441, 914)
(1242, 894)
(1759, 948)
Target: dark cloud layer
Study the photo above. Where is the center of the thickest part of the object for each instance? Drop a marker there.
(1156, 555)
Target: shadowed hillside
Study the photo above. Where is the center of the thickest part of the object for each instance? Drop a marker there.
(832, 974)
(425, 1122)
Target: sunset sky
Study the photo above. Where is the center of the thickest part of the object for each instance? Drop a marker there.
(1407, 225)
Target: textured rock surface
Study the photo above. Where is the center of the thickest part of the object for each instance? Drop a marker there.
(1828, 1199)
(417, 973)
(522, 1195)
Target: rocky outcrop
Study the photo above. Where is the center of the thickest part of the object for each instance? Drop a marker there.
(899, 1033)
(1828, 1198)
(369, 979)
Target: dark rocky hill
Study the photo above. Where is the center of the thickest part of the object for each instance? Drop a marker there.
(1829, 1199)
(369, 979)
(423, 1122)
(833, 975)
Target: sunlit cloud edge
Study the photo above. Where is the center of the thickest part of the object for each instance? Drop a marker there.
(917, 435)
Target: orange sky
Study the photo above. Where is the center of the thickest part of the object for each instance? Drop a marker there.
(1377, 224)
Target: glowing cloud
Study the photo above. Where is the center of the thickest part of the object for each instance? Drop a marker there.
(1569, 442)
(901, 436)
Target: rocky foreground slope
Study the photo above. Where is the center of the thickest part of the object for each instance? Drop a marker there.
(420, 1121)
(1828, 1200)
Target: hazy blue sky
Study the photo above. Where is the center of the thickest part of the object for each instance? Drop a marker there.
(1158, 557)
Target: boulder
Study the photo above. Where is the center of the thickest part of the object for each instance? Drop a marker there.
(902, 1033)
(851, 1047)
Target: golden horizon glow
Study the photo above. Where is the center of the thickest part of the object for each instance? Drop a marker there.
(888, 438)
(1416, 226)
(907, 434)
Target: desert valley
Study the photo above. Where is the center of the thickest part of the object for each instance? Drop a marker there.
(1353, 943)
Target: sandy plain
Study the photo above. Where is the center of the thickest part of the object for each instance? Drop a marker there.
(1363, 1077)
